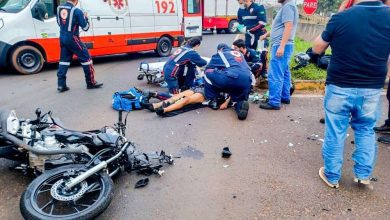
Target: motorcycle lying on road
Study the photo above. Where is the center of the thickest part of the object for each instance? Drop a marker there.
(74, 168)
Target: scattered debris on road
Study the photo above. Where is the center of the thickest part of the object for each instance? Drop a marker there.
(142, 183)
(226, 153)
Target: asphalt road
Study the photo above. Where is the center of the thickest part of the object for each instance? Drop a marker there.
(265, 177)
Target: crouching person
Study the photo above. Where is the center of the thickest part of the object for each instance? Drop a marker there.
(256, 60)
(179, 71)
(228, 72)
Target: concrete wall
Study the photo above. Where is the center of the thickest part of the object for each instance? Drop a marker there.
(309, 32)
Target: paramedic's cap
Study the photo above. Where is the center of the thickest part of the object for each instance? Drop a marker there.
(222, 46)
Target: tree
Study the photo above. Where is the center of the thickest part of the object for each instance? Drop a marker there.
(328, 6)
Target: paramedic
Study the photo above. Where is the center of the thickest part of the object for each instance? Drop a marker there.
(254, 19)
(253, 58)
(228, 72)
(179, 71)
(70, 18)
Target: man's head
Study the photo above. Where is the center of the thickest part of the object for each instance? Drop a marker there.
(239, 45)
(74, 2)
(240, 2)
(222, 46)
(282, 1)
(194, 43)
(248, 3)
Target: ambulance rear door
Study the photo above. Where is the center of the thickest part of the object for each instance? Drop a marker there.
(192, 18)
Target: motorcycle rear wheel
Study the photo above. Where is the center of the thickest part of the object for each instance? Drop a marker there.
(86, 200)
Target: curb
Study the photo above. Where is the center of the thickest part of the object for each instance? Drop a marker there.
(310, 85)
(307, 85)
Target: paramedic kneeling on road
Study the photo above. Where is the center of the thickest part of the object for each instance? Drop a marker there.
(228, 72)
(70, 18)
(179, 71)
(252, 57)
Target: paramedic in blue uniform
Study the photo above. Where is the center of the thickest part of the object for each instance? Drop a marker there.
(252, 57)
(179, 71)
(254, 19)
(228, 72)
(70, 18)
(240, 12)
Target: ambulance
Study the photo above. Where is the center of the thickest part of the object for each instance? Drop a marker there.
(221, 15)
(29, 33)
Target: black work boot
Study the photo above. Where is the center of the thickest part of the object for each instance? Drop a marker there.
(385, 129)
(95, 86)
(62, 89)
(213, 104)
(242, 110)
(266, 106)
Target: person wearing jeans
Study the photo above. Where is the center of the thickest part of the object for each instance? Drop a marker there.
(282, 45)
(340, 104)
(355, 78)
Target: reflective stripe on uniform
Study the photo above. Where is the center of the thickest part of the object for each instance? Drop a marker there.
(207, 80)
(262, 23)
(86, 27)
(65, 63)
(87, 63)
(249, 17)
(58, 15)
(181, 55)
(71, 19)
(227, 64)
(185, 70)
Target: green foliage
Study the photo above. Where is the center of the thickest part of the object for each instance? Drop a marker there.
(311, 71)
(328, 6)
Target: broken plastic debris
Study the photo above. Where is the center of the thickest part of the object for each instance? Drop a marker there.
(374, 179)
(225, 166)
(320, 139)
(226, 152)
(265, 141)
(290, 145)
(142, 183)
(161, 172)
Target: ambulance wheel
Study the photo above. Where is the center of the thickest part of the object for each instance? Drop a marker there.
(232, 29)
(27, 60)
(164, 47)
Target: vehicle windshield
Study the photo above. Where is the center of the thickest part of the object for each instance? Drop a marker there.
(13, 6)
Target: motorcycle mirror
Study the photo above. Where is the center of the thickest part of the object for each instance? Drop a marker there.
(38, 112)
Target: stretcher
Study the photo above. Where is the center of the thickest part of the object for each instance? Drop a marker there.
(153, 72)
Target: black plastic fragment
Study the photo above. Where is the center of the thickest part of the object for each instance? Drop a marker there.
(226, 152)
(142, 183)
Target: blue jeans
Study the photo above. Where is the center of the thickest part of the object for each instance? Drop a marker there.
(356, 107)
(279, 76)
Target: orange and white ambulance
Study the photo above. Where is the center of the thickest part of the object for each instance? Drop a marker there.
(29, 34)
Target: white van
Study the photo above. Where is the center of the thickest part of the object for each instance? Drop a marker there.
(29, 34)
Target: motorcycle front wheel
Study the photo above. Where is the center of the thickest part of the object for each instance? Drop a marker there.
(47, 197)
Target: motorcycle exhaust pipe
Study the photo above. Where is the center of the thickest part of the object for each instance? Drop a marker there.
(95, 169)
